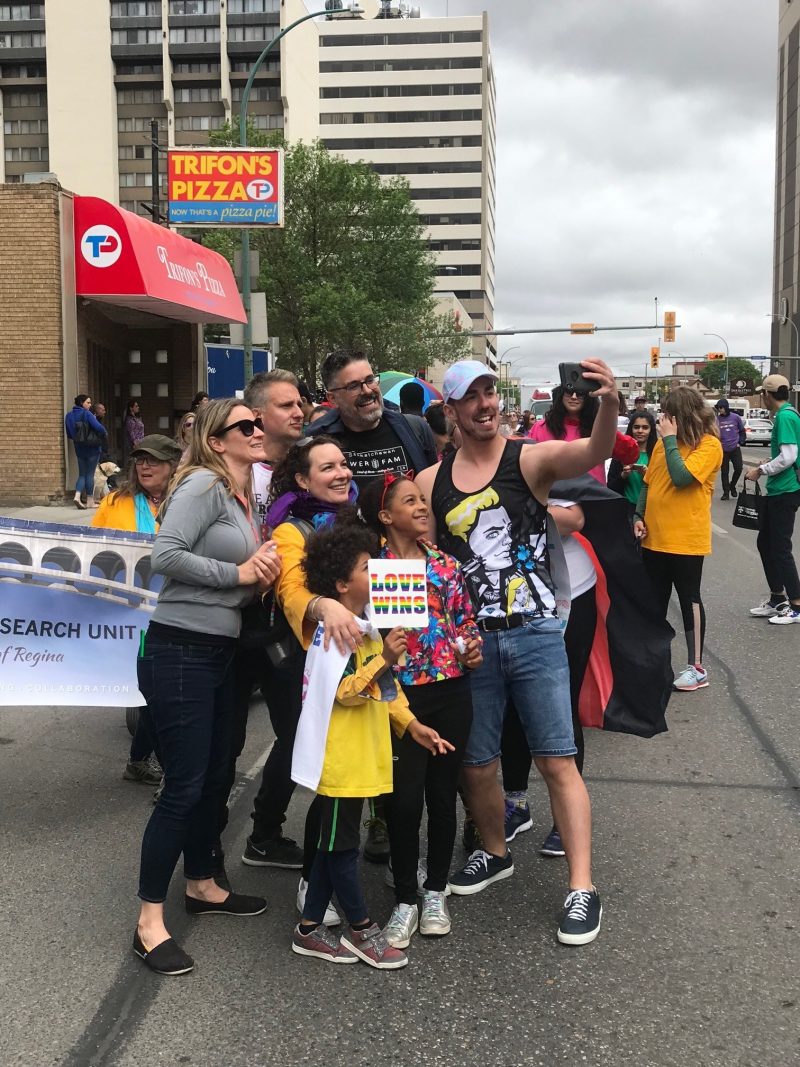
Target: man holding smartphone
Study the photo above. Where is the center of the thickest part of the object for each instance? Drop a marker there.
(489, 508)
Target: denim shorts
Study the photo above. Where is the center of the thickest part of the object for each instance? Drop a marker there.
(529, 666)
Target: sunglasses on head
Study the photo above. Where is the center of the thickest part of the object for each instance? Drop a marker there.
(247, 426)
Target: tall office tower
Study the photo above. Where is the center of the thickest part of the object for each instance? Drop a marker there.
(786, 258)
(416, 97)
(81, 82)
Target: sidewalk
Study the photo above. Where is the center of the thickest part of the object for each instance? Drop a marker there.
(44, 513)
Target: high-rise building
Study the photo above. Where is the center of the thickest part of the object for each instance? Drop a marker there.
(416, 97)
(786, 258)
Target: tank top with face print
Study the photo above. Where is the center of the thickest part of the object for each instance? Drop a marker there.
(499, 536)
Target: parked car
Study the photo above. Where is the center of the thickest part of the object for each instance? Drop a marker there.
(759, 431)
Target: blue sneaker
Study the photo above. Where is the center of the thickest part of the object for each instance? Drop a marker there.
(518, 819)
(551, 846)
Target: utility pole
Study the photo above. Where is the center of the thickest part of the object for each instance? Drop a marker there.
(155, 193)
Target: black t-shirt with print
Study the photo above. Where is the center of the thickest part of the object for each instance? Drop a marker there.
(370, 453)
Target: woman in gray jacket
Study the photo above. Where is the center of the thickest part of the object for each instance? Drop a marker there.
(209, 548)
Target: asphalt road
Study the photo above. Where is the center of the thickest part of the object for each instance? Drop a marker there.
(697, 839)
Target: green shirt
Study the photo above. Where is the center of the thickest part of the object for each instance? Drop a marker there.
(785, 431)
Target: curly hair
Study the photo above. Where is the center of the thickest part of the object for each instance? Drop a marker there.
(296, 461)
(375, 498)
(332, 553)
(554, 419)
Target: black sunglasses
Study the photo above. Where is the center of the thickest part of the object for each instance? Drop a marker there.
(247, 426)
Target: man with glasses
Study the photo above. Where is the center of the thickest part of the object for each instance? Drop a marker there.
(776, 520)
(373, 438)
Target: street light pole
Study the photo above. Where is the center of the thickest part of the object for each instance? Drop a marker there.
(795, 371)
(727, 356)
(509, 364)
(248, 326)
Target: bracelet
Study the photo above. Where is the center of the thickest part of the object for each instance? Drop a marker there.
(312, 604)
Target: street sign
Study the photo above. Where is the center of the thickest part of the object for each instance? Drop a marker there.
(226, 368)
(740, 387)
(581, 327)
(225, 186)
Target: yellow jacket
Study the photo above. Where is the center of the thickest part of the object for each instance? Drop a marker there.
(358, 750)
(115, 512)
(290, 589)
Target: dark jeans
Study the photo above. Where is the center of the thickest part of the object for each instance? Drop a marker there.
(189, 691)
(335, 872)
(421, 778)
(734, 457)
(668, 569)
(282, 689)
(578, 639)
(775, 543)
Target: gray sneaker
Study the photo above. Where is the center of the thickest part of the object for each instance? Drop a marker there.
(146, 771)
(401, 925)
(435, 919)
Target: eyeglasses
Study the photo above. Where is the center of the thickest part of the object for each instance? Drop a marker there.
(247, 426)
(356, 387)
(148, 461)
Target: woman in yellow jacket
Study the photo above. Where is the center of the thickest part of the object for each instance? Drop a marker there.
(673, 516)
(357, 758)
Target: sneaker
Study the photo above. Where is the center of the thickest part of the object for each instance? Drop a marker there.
(323, 944)
(332, 917)
(518, 819)
(278, 851)
(471, 837)
(422, 877)
(788, 615)
(766, 609)
(147, 771)
(402, 925)
(552, 846)
(376, 847)
(691, 678)
(481, 870)
(371, 947)
(435, 918)
(580, 922)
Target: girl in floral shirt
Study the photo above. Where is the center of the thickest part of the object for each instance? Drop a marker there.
(435, 679)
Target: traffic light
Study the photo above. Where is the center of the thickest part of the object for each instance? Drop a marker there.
(654, 356)
(669, 326)
(715, 355)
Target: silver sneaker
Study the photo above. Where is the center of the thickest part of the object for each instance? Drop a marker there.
(435, 918)
(402, 925)
(765, 610)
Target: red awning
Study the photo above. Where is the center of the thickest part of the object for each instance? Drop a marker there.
(123, 259)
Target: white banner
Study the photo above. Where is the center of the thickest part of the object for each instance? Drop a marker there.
(398, 593)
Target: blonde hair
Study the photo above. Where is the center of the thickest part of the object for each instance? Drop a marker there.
(463, 516)
(209, 419)
(180, 436)
(694, 417)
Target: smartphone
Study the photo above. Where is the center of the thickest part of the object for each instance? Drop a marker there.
(571, 375)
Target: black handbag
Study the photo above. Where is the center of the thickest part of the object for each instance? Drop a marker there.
(749, 506)
(84, 434)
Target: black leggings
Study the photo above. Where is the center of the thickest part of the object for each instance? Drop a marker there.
(421, 778)
(667, 569)
(578, 638)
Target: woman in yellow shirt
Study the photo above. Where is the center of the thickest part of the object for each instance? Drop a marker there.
(673, 516)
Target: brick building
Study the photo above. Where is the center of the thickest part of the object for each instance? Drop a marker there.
(118, 329)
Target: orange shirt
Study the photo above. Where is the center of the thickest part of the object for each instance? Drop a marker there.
(679, 520)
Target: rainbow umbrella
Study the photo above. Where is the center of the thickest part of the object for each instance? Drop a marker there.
(392, 382)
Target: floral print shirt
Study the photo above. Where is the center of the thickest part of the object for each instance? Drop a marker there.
(431, 656)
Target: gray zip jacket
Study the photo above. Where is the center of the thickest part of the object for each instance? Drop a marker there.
(205, 534)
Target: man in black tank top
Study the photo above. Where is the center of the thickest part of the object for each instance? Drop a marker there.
(489, 505)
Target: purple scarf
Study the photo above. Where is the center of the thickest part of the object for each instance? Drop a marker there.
(302, 505)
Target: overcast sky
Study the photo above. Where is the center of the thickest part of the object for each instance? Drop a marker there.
(635, 152)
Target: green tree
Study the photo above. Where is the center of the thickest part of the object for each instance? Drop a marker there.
(712, 373)
(349, 268)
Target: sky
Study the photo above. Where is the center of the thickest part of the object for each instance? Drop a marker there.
(636, 159)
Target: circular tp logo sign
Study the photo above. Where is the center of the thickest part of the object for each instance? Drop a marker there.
(101, 246)
(260, 189)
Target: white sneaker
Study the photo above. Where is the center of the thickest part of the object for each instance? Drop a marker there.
(435, 919)
(690, 679)
(765, 610)
(402, 925)
(788, 614)
(332, 917)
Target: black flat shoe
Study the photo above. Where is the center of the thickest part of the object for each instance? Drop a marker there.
(234, 904)
(167, 958)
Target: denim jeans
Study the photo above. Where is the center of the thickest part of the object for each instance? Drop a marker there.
(87, 462)
(189, 691)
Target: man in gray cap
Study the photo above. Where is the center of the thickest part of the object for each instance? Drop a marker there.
(776, 521)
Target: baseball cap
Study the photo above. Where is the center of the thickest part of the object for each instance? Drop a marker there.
(159, 447)
(460, 377)
(773, 382)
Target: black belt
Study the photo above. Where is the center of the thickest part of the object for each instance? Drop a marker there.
(502, 622)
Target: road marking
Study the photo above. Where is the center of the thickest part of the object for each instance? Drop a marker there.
(719, 530)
